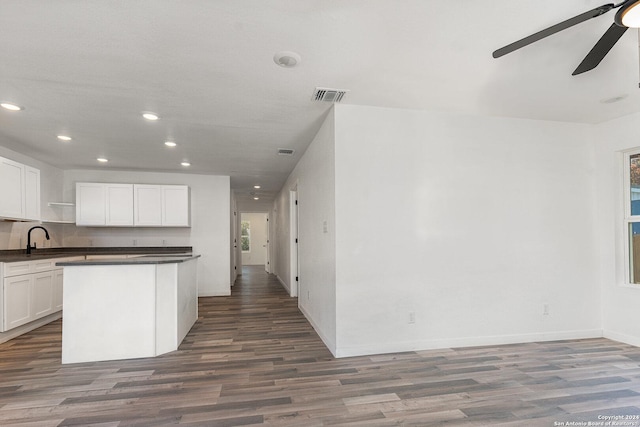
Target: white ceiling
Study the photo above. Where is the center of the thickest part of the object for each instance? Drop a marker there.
(89, 68)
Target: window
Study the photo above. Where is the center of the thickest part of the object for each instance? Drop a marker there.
(245, 236)
(632, 215)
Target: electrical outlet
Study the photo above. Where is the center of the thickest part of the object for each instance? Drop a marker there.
(545, 309)
(135, 242)
(412, 317)
(164, 242)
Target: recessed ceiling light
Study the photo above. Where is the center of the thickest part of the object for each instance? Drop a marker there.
(170, 144)
(286, 59)
(256, 186)
(256, 198)
(102, 160)
(9, 106)
(64, 138)
(185, 164)
(150, 116)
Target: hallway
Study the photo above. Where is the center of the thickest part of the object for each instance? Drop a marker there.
(253, 359)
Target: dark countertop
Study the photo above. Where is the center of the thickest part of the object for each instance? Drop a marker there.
(16, 255)
(129, 261)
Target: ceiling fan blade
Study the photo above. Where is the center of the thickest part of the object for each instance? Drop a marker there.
(554, 29)
(600, 50)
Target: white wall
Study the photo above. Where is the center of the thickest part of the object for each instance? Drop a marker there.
(620, 302)
(209, 232)
(280, 248)
(314, 177)
(473, 224)
(258, 234)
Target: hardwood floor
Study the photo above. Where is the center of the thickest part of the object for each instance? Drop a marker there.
(253, 359)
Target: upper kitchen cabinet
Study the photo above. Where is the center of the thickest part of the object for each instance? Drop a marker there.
(161, 205)
(137, 205)
(175, 206)
(99, 204)
(119, 204)
(19, 191)
(32, 193)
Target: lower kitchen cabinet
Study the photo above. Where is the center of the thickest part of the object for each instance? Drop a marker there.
(57, 289)
(31, 290)
(17, 301)
(42, 294)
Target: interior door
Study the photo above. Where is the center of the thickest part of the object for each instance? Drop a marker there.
(267, 266)
(293, 232)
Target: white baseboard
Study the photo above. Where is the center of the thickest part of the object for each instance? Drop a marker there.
(396, 347)
(284, 285)
(215, 294)
(16, 332)
(623, 338)
(331, 345)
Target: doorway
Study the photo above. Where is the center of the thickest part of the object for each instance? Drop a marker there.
(253, 238)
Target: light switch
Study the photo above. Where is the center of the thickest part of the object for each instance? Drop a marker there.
(325, 227)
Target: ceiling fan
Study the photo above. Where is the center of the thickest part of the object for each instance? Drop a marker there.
(628, 16)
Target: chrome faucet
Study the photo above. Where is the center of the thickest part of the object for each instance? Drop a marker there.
(29, 247)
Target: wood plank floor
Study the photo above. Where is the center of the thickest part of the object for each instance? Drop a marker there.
(252, 359)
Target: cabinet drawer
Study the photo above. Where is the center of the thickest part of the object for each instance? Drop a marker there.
(11, 269)
(17, 268)
(42, 265)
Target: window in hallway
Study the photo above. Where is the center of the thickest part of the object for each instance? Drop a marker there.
(245, 236)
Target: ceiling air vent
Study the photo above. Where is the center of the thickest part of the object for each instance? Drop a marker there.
(328, 95)
(285, 151)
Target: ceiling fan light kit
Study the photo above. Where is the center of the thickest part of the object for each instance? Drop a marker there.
(628, 16)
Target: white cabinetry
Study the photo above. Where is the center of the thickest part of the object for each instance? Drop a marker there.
(99, 204)
(91, 203)
(126, 205)
(30, 290)
(147, 208)
(20, 190)
(42, 294)
(32, 193)
(175, 206)
(119, 204)
(161, 205)
(57, 289)
(17, 301)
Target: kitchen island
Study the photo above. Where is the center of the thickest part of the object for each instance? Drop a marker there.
(127, 308)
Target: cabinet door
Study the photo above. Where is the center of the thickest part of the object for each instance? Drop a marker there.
(17, 301)
(42, 294)
(119, 204)
(32, 193)
(175, 205)
(57, 290)
(147, 205)
(11, 189)
(90, 204)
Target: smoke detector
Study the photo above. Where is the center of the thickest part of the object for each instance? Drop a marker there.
(324, 94)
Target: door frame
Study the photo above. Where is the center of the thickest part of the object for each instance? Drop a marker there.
(294, 256)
